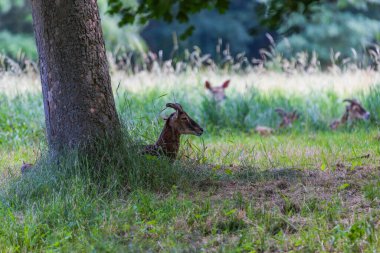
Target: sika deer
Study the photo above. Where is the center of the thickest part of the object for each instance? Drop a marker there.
(287, 117)
(178, 123)
(354, 111)
(218, 92)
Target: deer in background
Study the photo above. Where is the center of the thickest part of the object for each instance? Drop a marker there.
(354, 111)
(264, 130)
(287, 117)
(218, 92)
(177, 124)
(25, 167)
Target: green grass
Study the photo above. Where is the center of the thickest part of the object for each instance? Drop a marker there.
(303, 189)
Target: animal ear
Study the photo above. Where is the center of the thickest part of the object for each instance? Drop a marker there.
(175, 106)
(208, 85)
(225, 84)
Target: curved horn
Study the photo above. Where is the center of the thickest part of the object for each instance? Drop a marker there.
(175, 106)
(280, 112)
(352, 101)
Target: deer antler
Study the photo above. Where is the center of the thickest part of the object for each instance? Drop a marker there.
(175, 106)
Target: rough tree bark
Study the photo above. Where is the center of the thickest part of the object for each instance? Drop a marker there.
(77, 94)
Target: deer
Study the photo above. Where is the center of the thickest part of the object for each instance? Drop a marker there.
(26, 167)
(288, 118)
(264, 130)
(177, 124)
(354, 111)
(218, 92)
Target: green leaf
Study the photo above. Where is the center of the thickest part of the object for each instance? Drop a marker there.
(151, 157)
(187, 33)
(230, 212)
(216, 167)
(343, 186)
(228, 172)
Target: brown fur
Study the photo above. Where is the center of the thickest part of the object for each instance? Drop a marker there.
(288, 118)
(264, 131)
(338, 122)
(25, 167)
(354, 111)
(218, 92)
(168, 142)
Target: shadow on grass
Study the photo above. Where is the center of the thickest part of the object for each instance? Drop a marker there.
(255, 175)
(112, 171)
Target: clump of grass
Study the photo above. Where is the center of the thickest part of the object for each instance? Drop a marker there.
(371, 192)
(112, 169)
(21, 120)
(372, 103)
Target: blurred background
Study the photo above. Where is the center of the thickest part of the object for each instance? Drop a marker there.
(334, 31)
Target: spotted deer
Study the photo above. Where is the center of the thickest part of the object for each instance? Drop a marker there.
(218, 92)
(177, 124)
(354, 111)
(288, 118)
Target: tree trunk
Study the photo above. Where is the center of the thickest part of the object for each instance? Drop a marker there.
(77, 94)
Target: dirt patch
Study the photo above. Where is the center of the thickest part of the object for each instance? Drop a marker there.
(288, 189)
(282, 185)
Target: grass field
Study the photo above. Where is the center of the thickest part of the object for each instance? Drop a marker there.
(302, 189)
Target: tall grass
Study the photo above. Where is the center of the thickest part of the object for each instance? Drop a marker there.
(243, 112)
(371, 102)
(22, 122)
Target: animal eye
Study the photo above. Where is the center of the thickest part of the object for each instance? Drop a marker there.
(184, 118)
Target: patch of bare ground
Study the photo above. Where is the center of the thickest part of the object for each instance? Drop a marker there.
(290, 189)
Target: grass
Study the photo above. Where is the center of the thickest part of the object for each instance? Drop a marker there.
(303, 189)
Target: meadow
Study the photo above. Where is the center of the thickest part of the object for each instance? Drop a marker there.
(305, 188)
